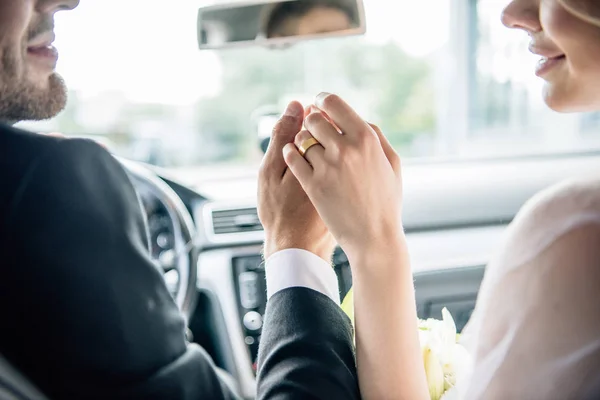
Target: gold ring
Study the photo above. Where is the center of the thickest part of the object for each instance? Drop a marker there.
(307, 144)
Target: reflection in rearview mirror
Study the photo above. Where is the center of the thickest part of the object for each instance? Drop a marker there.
(278, 22)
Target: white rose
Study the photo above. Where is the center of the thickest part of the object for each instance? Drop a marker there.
(443, 357)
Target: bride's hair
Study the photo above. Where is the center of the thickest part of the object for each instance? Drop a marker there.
(587, 10)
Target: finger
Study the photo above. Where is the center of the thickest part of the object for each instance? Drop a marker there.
(315, 154)
(284, 132)
(298, 165)
(315, 109)
(308, 110)
(344, 116)
(288, 125)
(389, 151)
(318, 125)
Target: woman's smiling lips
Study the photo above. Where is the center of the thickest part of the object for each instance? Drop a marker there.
(547, 64)
(549, 60)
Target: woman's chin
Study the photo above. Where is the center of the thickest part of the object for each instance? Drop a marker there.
(560, 101)
(563, 99)
(553, 101)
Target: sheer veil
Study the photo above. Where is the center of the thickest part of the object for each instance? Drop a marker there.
(535, 332)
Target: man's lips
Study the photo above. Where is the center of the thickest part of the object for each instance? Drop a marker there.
(42, 40)
(41, 47)
(48, 52)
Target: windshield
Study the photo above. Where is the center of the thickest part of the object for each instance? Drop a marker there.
(442, 78)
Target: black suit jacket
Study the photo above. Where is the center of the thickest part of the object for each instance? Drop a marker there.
(84, 313)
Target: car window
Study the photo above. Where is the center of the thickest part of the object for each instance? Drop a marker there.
(443, 84)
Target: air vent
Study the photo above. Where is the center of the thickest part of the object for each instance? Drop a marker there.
(235, 221)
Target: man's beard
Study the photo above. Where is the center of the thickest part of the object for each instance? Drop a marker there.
(21, 99)
(22, 102)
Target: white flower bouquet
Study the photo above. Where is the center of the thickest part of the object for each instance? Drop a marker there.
(444, 359)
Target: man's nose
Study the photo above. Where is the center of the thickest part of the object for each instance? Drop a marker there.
(53, 6)
(523, 14)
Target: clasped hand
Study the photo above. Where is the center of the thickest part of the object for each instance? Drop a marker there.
(348, 185)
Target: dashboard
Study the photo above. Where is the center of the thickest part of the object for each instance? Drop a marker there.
(455, 219)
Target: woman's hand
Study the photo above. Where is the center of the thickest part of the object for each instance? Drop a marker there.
(353, 178)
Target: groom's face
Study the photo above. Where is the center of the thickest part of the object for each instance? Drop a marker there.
(29, 86)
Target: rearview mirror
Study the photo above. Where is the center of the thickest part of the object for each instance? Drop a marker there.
(277, 22)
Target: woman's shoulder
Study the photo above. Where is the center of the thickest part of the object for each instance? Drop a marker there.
(553, 213)
(571, 199)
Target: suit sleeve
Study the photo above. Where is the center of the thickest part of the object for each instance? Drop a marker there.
(306, 349)
(91, 315)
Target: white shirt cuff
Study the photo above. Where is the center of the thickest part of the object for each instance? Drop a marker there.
(300, 268)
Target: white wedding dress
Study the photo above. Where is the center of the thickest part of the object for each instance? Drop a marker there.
(535, 332)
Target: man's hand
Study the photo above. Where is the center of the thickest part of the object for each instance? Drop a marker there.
(289, 218)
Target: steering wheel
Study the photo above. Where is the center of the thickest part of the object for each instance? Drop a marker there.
(181, 260)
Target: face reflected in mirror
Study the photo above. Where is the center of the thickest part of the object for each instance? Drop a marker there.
(285, 21)
(278, 22)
